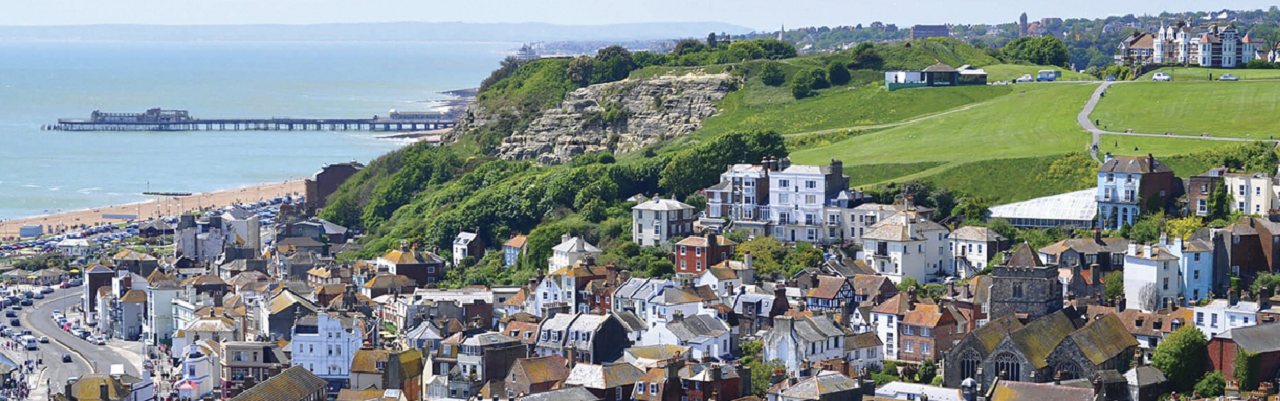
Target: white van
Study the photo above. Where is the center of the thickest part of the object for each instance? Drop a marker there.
(31, 342)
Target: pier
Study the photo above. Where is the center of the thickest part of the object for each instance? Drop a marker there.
(179, 120)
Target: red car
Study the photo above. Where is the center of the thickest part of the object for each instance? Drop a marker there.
(65, 285)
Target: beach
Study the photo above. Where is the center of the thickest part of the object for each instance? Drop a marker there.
(167, 206)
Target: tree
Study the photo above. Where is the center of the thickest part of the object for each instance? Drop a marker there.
(802, 257)
(580, 70)
(907, 283)
(865, 57)
(746, 50)
(711, 40)
(1212, 385)
(820, 80)
(1044, 50)
(771, 74)
(927, 371)
(776, 50)
(1114, 283)
(1219, 203)
(1265, 280)
(767, 254)
(594, 211)
(661, 268)
(1181, 357)
(1183, 227)
(689, 46)
(837, 73)
(802, 85)
(760, 382)
(1247, 366)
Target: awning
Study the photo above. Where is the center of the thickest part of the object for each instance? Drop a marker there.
(75, 270)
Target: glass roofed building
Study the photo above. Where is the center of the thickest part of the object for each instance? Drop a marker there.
(1073, 209)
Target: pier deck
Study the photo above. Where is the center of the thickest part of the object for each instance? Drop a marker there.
(169, 120)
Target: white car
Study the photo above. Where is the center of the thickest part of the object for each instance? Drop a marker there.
(1025, 78)
(1160, 76)
(99, 340)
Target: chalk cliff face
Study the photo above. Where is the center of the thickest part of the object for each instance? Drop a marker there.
(619, 117)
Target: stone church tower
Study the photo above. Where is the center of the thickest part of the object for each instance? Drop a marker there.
(1024, 285)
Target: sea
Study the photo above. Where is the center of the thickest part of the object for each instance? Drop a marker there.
(43, 172)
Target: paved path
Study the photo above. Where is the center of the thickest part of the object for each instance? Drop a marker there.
(1084, 121)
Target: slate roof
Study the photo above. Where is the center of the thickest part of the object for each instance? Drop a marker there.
(299, 242)
(606, 376)
(294, 383)
(863, 340)
(976, 233)
(697, 328)
(1159, 253)
(287, 298)
(1103, 339)
(566, 394)
(1261, 338)
(1011, 390)
(1144, 375)
(1038, 338)
(1133, 165)
(662, 204)
(1088, 246)
(815, 387)
(1024, 257)
(630, 321)
(723, 273)
(702, 372)
(576, 244)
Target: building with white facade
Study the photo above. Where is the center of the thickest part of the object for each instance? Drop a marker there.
(571, 250)
(1252, 194)
(1225, 314)
(796, 340)
(907, 245)
(705, 335)
(971, 248)
(325, 343)
(1195, 266)
(162, 291)
(798, 196)
(1151, 277)
(742, 194)
(658, 220)
(1208, 46)
(1124, 186)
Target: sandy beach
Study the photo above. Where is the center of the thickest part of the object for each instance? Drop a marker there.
(164, 207)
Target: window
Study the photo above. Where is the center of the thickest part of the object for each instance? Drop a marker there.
(784, 183)
(1199, 318)
(924, 348)
(1008, 367)
(1202, 205)
(1166, 283)
(1241, 191)
(908, 347)
(683, 249)
(969, 365)
(1196, 273)
(1196, 257)
(1240, 206)
(784, 199)
(1213, 320)
(653, 388)
(1017, 290)
(811, 184)
(697, 251)
(810, 199)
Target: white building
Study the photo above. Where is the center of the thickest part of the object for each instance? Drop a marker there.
(907, 245)
(1212, 46)
(705, 335)
(325, 344)
(161, 293)
(1195, 265)
(1225, 314)
(74, 247)
(971, 248)
(798, 195)
(1150, 277)
(201, 370)
(1252, 194)
(795, 340)
(742, 194)
(461, 246)
(570, 251)
(658, 220)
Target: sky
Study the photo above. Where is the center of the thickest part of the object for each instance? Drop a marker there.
(764, 15)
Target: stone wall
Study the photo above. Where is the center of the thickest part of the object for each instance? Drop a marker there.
(619, 117)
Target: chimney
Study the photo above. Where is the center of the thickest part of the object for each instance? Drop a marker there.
(624, 276)
(1151, 162)
(1146, 251)
(1097, 234)
(782, 322)
(778, 375)
(1233, 297)
(1133, 248)
(1120, 303)
(1168, 304)
(1264, 298)
(564, 238)
(714, 372)
(1164, 238)
(677, 316)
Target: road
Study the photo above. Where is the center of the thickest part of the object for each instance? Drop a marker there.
(86, 357)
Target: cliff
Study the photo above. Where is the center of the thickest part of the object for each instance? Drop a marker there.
(619, 117)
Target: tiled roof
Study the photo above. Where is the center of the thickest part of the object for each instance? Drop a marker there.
(723, 273)
(976, 233)
(134, 296)
(516, 242)
(863, 340)
(547, 369)
(526, 332)
(1038, 338)
(88, 388)
(992, 333)
(657, 351)
(701, 242)
(389, 281)
(828, 287)
(1261, 338)
(366, 360)
(1134, 165)
(924, 315)
(816, 387)
(294, 383)
(287, 298)
(1024, 257)
(566, 394)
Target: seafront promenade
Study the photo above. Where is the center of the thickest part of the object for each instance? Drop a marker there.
(149, 209)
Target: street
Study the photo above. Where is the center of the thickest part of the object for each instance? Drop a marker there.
(85, 357)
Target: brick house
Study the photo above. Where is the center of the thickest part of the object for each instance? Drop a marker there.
(1246, 255)
(693, 255)
(928, 331)
(712, 381)
(536, 375)
(970, 299)
(326, 181)
(1263, 339)
(1126, 183)
(1200, 188)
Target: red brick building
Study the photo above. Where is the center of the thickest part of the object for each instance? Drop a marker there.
(928, 331)
(326, 181)
(711, 381)
(1263, 339)
(693, 255)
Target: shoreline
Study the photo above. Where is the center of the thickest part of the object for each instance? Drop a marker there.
(144, 210)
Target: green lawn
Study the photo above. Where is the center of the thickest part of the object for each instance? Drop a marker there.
(1234, 109)
(1036, 120)
(864, 174)
(1021, 178)
(1009, 72)
(1202, 74)
(840, 108)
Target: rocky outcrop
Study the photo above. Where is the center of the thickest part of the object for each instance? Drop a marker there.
(619, 117)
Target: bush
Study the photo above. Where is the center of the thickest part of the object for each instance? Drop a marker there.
(802, 86)
(820, 80)
(1247, 366)
(772, 75)
(1181, 357)
(837, 73)
(1260, 64)
(1212, 385)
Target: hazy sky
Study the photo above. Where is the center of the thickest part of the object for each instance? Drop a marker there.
(758, 14)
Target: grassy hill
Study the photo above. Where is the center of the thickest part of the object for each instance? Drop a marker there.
(1235, 109)
(918, 54)
(1202, 74)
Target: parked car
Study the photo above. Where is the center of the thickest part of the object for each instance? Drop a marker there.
(44, 340)
(10, 313)
(46, 290)
(14, 322)
(1111, 78)
(1162, 77)
(66, 358)
(27, 302)
(1025, 78)
(99, 340)
(1228, 77)
(39, 295)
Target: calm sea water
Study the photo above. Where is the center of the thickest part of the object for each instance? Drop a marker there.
(46, 171)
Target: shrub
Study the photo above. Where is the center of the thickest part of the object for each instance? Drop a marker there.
(1211, 385)
(772, 75)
